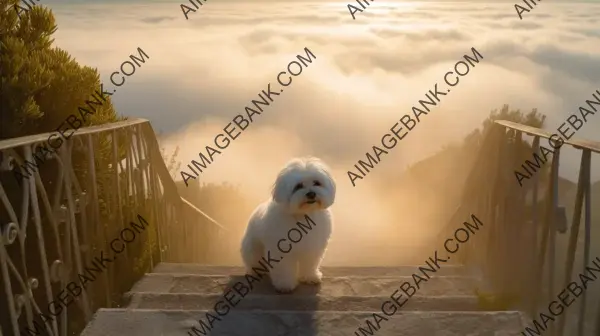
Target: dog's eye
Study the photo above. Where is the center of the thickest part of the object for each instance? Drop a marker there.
(317, 183)
(298, 186)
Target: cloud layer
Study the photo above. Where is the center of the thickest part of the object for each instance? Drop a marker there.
(368, 72)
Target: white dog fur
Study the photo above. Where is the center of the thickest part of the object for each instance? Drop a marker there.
(272, 220)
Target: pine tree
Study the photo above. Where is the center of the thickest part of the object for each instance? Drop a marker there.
(40, 85)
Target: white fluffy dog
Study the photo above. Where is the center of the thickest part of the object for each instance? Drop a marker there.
(303, 187)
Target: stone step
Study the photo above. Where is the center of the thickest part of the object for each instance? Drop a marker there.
(141, 322)
(330, 286)
(175, 268)
(299, 303)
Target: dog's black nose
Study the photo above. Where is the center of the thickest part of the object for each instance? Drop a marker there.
(311, 194)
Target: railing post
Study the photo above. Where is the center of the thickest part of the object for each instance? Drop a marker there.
(100, 228)
(8, 234)
(533, 228)
(74, 232)
(588, 233)
(117, 177)
(547, 228)
(581, 190)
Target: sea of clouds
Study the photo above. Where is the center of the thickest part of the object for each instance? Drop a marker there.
(368, 72)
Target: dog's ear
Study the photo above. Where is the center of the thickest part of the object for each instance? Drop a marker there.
(326, 171)
(331, 181)
(280, 189)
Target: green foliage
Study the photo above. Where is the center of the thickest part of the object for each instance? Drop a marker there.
(172, 164)
(40, 85)
(533, 119)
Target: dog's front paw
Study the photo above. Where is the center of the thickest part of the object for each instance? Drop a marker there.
(284, 285)
(284, 290)
(312, 279)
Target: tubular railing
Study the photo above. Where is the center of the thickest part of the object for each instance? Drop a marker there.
(76, 201)
(524, 252)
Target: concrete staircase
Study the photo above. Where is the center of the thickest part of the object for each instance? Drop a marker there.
(172, 300)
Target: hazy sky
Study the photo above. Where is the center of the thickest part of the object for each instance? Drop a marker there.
(368, 72)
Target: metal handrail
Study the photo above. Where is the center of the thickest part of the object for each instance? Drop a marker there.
(582, 202)
(518, 255)
(55, 221)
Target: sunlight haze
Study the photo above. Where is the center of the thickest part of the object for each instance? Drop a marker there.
(367, 73)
